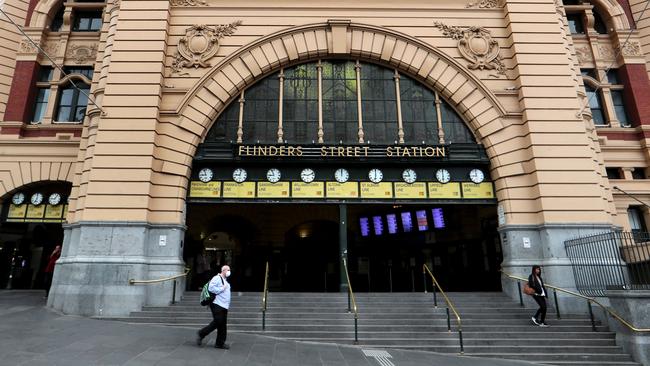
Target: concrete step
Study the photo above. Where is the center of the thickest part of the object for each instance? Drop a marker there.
(556, 358)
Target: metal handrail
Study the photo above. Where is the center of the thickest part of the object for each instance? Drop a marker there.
(265, 293)
(450, 305)
(589, 301)
(148, 282)
(354, 302)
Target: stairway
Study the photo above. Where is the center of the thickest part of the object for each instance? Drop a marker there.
(493, 325)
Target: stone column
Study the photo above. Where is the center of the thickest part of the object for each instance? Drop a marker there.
(633, 307)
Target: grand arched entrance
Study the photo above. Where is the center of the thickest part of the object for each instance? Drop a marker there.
(342, 158)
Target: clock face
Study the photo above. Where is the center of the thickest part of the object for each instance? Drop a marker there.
(409, 176)
(239, 175)
(18, 198)
(273, 175)
(54, 199)
(37, 199)
(476, 176)
(443, 176)
(341, 175)
(375, 175)
(205, 175)
(307, 175)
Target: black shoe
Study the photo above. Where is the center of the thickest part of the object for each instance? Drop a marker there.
(199, 340)
(222, 346)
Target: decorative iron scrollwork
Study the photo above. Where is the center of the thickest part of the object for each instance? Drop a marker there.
(477, 46)
(200, 43)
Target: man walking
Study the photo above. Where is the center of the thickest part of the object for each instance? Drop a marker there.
(219, 307)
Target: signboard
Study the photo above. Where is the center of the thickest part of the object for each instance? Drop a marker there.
(273, 190)
(307, 190)
(238, 190)
(413, 190)
(35, 212)
(205, 190)
(376, 190)
(54, 212)
(447, 190)
(17, 212)
(483, 190)
(342, 190)
(428, 152)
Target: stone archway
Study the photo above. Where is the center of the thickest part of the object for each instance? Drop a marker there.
(200, 107)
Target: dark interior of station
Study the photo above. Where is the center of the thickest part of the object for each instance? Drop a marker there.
(387, 246)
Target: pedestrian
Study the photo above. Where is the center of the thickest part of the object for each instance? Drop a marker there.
(49, 269)
(219, 307)
(535, 282)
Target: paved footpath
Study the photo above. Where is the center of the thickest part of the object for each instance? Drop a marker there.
(31, 334)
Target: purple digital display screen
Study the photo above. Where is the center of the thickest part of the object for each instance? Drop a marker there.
(365, 226)
(421, 215)
(407, 222)
(438, 218)
(391, 220)
(378, 224)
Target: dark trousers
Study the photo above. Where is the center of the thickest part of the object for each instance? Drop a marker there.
(540, 315)
(48, 282)
(219, 322)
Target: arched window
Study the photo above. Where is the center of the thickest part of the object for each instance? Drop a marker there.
(580, 14)
(339, 101)
(606, 97)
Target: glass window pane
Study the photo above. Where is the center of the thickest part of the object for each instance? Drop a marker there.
(261, 111)
(41, 104)
(612, 76)
(66, 97)
(595, 105)
(599, 24)
(64, 114)
(300, 106)
(619, 108)
(378, 104)
(96, 24)
(340, 119)
(419, 115)
(575, 24)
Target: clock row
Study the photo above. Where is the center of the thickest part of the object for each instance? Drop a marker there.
(341, 175)
(36, 199)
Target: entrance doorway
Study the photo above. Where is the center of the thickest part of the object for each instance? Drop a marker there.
(387, 246)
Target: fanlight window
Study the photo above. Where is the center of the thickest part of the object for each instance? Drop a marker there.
(332, 101)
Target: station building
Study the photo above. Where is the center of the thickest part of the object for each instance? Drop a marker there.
(148, 136)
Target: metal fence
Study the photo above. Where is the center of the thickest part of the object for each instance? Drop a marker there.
(610, 261)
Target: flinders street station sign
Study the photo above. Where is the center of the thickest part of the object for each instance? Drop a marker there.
(340, 151)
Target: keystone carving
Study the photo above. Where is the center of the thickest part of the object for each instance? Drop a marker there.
(82, 53)
(199, 44)
(483, 4)
(188, 3)
(630, 49)
(477, 46)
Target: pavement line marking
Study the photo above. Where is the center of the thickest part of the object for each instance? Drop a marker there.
(381, 356)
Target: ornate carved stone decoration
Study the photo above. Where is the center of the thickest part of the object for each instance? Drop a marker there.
(630, 49)
(584, 54)
(51, 48)
(607, 52)
(483, 4)
(188, 3)
(199, 44)
(82, 53)
(476, 46)
(26, 47)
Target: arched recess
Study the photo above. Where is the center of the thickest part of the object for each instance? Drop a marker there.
(43, 13)
(460, 87)
(613, 13)
(20, 174)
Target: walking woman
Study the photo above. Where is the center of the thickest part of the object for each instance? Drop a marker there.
(535, 281)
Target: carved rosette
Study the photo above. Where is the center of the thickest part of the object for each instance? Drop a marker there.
(188, 3)
(483, 4)
(27, 47)
(584, 54)
(82, 53)
(199, 44)
(477, 46)
(630, 49)
(607, 52)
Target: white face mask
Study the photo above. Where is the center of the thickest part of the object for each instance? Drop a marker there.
(227, 273)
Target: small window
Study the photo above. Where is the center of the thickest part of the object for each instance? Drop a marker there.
(575, 23)
(619, 108)
(635, 216)
(57, 21)
(72, 103)
(599, 24)
(612, 76)
(613, 173)
(87, 21)
(40, 104)
(45, 74)
(638, 173)
(596, 106)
